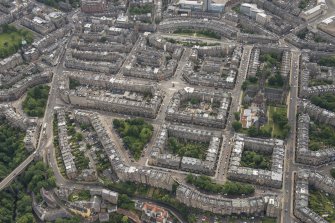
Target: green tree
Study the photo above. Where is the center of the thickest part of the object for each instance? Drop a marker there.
(237, 126)
(237, 116)
(332, 172)
(276, 80)
(194, 101)
(124, 219)
(245, 85)
(26, 218)
(253, 131)
(36, 100)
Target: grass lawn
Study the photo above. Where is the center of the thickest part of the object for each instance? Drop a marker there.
(11, 41)
(322, 204)
(83, 195)
(276, 130)
(10, 38)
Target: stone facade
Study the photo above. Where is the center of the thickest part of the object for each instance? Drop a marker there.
(30, 125)
(125, 172)
(303, 180)
(18, 89)
(217, 26)
(161, 157)
(212, 69)
(303, 154)
(64, 146)
(93, 6)
(151, 63)
(258, 205)
(119, 96)
(218, 121)
(315, 112)
(271, 178)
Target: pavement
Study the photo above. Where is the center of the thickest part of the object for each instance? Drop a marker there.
(226, 148)
(290, 166)
(170, 86)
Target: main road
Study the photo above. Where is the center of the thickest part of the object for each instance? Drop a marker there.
(290, 167)
(236, 94)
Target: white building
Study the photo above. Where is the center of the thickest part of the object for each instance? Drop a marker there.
(252, 11)
(312, 13)
(201, 5)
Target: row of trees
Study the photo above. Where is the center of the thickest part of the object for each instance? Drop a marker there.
(136, 133)
(81, 161)
(36, 101)
(230, 188)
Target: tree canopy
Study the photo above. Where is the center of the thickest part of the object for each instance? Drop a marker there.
(321, 136)
(11, 39)
(36, 101)
(135, 133)
(15, 200)
(326, 101)
(12, 151)
(183, 147)
(327, 61)
(230, 188)
(255, 160)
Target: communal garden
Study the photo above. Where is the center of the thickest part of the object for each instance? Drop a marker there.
(135, 133)
(12, 39)
(323, 204)
(36, 101)
(183, 147)
(256, 160)
(321, 136)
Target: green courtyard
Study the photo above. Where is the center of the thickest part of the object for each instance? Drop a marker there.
(256, 160)
(321, 136)
(11, 39)
(183, 147)
(277, 122)
(322, 204)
